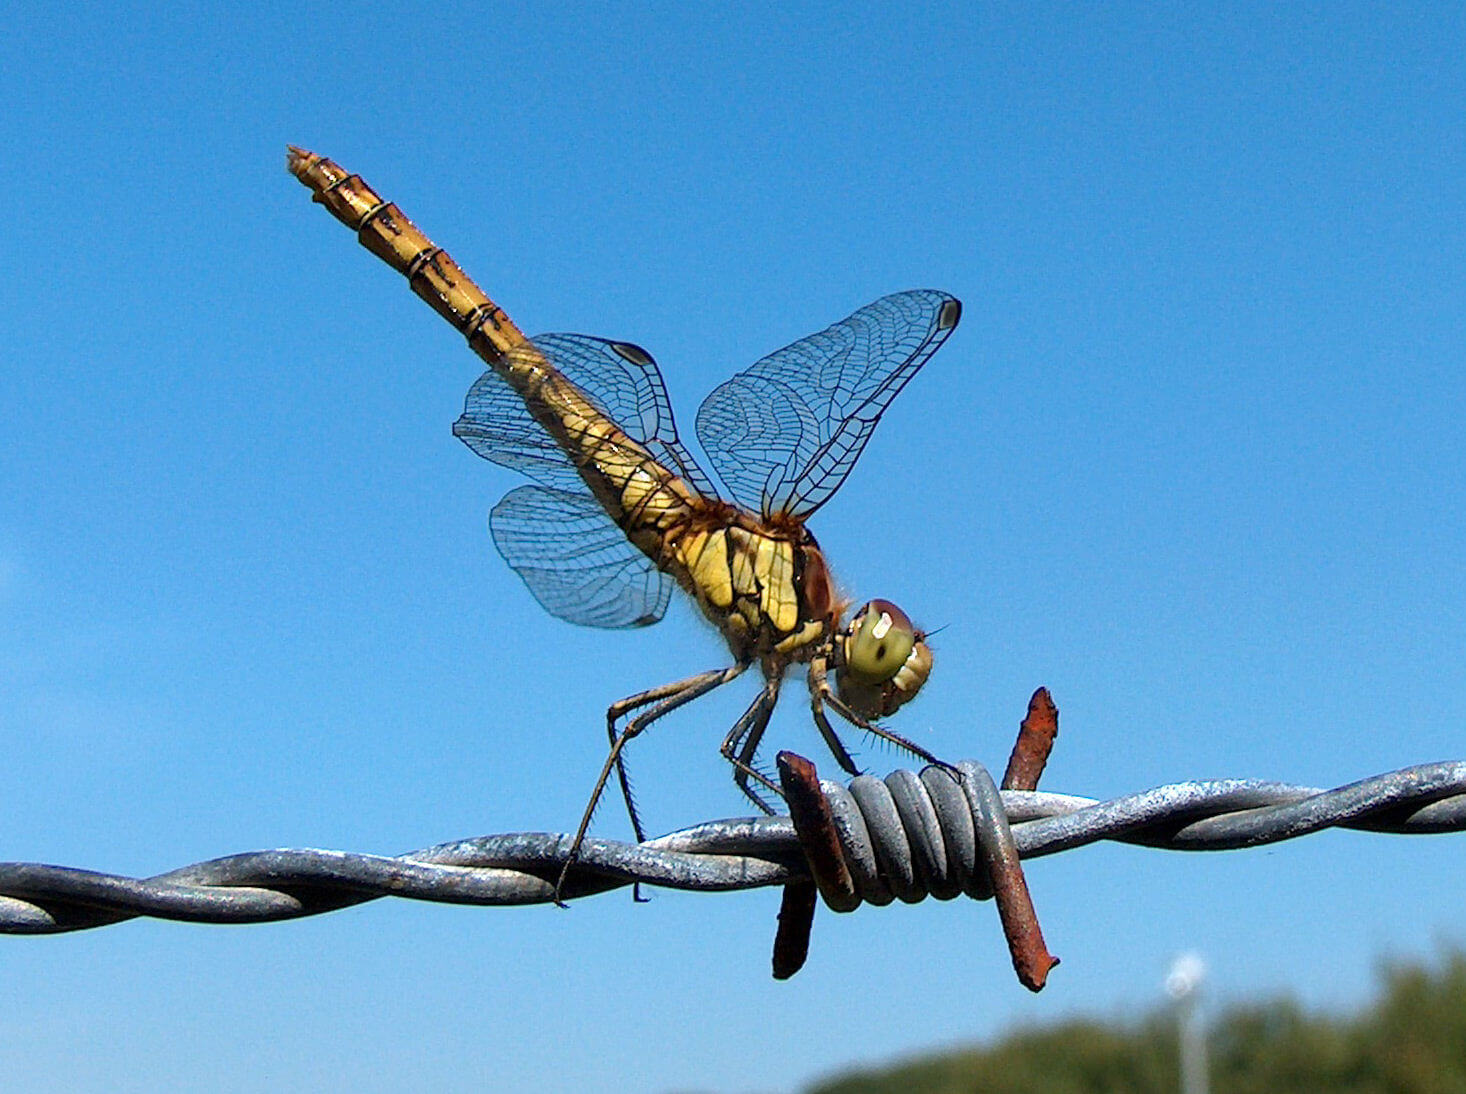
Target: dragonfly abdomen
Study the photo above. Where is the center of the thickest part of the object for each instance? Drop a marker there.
(637, 491)
(382, 228)
(645, 498)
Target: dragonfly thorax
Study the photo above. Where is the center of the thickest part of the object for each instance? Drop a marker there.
(766, 588)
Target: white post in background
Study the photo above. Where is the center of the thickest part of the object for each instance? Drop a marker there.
(1183, 984)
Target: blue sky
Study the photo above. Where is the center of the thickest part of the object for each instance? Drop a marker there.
(1193, 461)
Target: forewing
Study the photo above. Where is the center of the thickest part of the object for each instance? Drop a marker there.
(578, 564)
(783, 434)
(621, 379)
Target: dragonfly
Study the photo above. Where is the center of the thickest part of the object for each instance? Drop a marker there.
(618, 513)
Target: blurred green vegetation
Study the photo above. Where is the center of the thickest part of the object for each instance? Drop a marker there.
(1409, 1039)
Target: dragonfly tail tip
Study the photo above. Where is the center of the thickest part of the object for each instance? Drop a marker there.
(296, 159)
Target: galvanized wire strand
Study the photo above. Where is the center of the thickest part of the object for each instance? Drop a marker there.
(905, 837)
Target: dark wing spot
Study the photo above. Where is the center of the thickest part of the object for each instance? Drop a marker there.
(633, 353)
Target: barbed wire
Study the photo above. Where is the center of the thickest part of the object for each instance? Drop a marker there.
(905, 837)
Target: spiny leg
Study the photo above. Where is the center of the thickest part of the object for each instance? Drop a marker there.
(819, 687)
(746, 768)
(614, 714)
(838, 706)
(666, 698)
(824, 694)
(618, 710)
(749, 730)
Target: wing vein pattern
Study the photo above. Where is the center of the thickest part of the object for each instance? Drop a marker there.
(573, 557)
(784, 433)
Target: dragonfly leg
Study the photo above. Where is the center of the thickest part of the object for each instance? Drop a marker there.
(819, 687)
(826, 694)
(661, 700)
(619, 710)
(743, 740)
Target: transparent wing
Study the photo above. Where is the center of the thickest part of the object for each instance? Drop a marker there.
(621, 379)
(783, 434)
(578, 564)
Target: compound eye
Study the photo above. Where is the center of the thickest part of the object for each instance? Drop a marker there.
(880, 639)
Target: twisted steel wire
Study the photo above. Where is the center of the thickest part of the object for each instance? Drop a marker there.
(905, 837)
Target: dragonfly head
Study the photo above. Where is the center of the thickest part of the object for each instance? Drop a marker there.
(881, 660)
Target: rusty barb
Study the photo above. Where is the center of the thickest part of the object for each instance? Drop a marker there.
(877, 841)
(824, 840)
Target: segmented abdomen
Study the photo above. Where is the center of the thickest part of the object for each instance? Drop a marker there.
(641, 495)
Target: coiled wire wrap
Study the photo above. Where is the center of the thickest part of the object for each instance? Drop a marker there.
(904, 837)
(911, 836)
